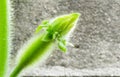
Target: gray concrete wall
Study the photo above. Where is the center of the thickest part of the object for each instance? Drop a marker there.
(97, 35)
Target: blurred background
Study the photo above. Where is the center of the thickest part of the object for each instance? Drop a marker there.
(96, 36)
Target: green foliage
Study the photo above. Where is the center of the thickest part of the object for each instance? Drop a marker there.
(42, 45)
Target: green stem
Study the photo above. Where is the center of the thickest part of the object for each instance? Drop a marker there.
(37, 49)
(3, 37)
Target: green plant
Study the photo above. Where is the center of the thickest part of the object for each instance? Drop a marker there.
(42, 44)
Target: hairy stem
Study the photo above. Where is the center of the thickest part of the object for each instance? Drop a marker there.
(38, 49)
(4, 34)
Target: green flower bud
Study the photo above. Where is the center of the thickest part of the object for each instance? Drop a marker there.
(41, 45)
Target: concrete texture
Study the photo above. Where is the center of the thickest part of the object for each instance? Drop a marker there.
(96, 37)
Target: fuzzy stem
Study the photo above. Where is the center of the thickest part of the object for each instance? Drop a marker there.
(3, 37)
(37, 49)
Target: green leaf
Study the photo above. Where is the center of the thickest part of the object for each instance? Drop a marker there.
(38, 29)
(55, 35)
(45, 22)
(62, 45)
(43, 25)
